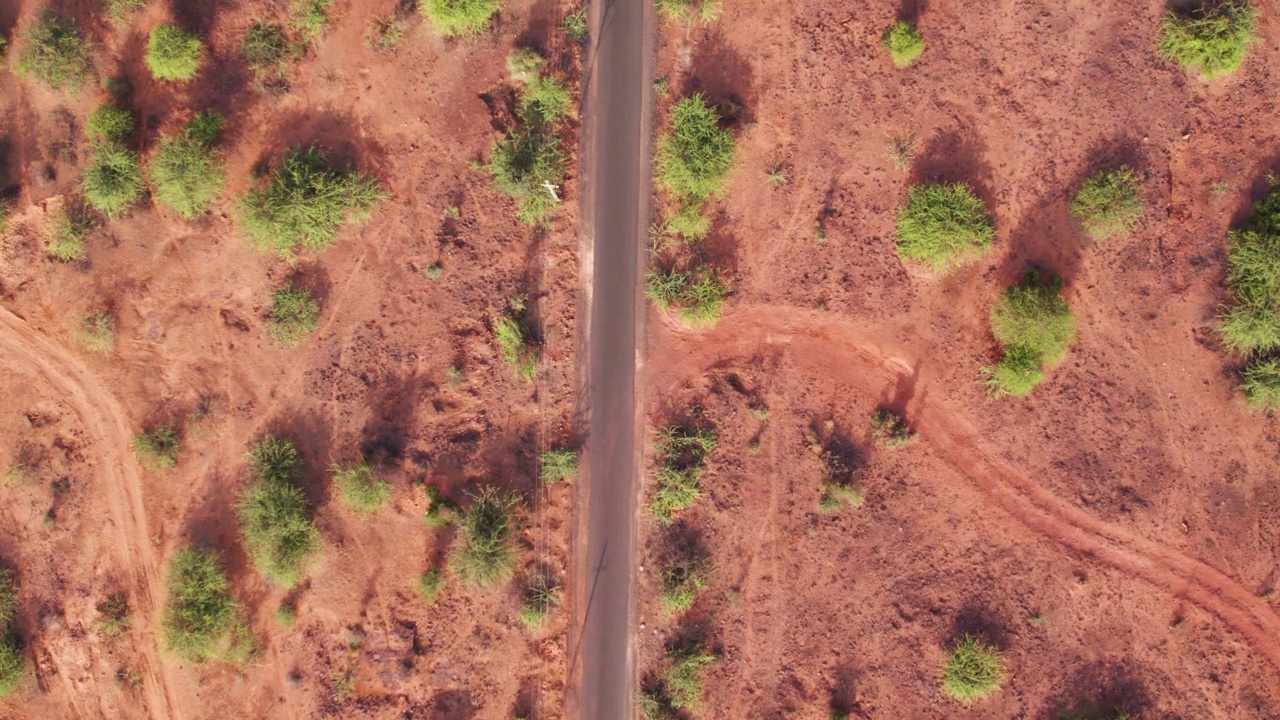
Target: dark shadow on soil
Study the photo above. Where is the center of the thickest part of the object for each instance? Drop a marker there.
(979, 620)
(312, 434)
(1104, 690)
(1263, 172)
(451, 705)
(540, 26)
(720, 248)
(955, 156)
(911, 10)
(335, 134)
(198, 16)
(725, 77)
(844, 696)
(393, 403)
(1048, 238)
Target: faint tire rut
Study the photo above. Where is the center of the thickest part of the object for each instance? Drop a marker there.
(830, 344)
(105, 424)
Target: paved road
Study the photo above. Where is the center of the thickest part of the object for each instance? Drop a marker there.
(617, 101)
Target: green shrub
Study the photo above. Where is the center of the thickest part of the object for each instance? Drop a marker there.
(688, 222)
(558, 464)
(523, 164)
(1034, 315)
(441, 511)
(158, 448)
(96, 331)
(385, 33)
(308, 17)
(360, 488)
(295, 314)
(1261, 383)
(1017, 372)
(109, 122)
(201, 621)
(265, 48)
(116, 10)
(836, 495)
(697, 296)
(683, 679)
(973, 671)
(274, 518)
(485, 550)
(12, 667)
(64, 236)
(539, 598)
(690, 10)
(1212, 39)
(55, 53)
(305, 204)
(460, 17)
(889, 430)
(430, 583)
(694, 155)
(8, 596)
(114, 617)
(942, 226)
(516, 346)
(545, 100)
(681, 583)
(185, 172)
(903, 43)
(682, 454)
(1108, 203)
(523, 64)
(113, 180)
(1251, 321)
(173, 53)
(286, 615)
(575, 25)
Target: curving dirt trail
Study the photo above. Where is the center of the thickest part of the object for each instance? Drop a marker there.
(836, 345)
(104, 421)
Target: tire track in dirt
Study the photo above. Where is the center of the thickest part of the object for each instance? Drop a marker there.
(833, 345)
(104, 422)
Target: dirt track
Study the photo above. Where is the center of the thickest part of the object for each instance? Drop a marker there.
(104, 421)
(831, 344)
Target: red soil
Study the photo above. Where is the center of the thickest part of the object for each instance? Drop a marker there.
(191, 299)
(1126, 505)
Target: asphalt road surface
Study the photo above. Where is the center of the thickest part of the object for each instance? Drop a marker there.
(617, 106)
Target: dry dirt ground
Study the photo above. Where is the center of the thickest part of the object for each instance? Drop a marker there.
(1114, 534)
(375, 379)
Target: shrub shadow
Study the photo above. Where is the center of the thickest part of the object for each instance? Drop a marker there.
(724, 76)
(1105, 690)
(954, 156)
(336, 134)
(979, 620)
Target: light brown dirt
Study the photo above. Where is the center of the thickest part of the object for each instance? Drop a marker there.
(1112, 533)
(375, 379)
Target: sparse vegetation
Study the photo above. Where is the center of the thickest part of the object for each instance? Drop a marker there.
(1250, 324)
(681, 452)
(575, 25)
(96, 331)
(1261, 383)
(201, 620)
(558, 464)
(460, 17)
(360, 488)
(274, 518)
(114, 618)
(430, 583)
(973, 671)
(943, 226)
(385, 33)
(697, 294)
(516, 342)
(173, 54)
(113, 179)
(682, 580)
(265, 48)
(1108, 203)
(485, 550)
(117, 10)
(295, 314)
(12, 666)
(1034, 325)
(1212, 38)
(55, 53)
(679, 687)
(903, 43)
(690, 10)
(108, 122)
(305, 204)
(837, 495)
(523, 64)
(64, 236)
(541, 595)
(308, 17)
(889, 430)
(441, 510)
(286, 614)
(185, 172)
(529, 164)
(902, 150)
(158, 448)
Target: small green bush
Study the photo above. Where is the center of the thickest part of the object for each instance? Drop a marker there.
(460, 17)
(158, 448)
(441, 511)
(1108, 203)
(516, 346)
(1017, 372)
(697, 296)
(903, 43)
(836, 495)
(308, 17)
(575, 25)
(201, 621)
(286, 615)
(1261, 383)
(279, 533)
(430, 583)
(485, 550)
(305, 204)
(96, 331)
(943, 226)
(681, 583)
(360, 488)
(55, 53)
(295, 314)
(523, 164)
(682, 454)
(539, 598)
(173, 53)
(265, 48)
(1251, 322)
(185, 172)
(545, 100)
(113, 180)
(523, 64)
(109, 122)
(688, 222)
(1212, 39)
(558, 464)
(683, 679)
(64, 236)
(690, 10)
(1034, 324)
(973, 671)
(8, 596)
(12, 667)
(385, 33)
(114, 617)
(117, 10)
(889, 430)
(694, 154)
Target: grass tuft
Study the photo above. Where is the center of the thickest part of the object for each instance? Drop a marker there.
(55, 53)
(1034, 324)
(943, 226)
(309, 17)
(541, 595)
(682, 454)
(360, 488)
(96, 331)
(690, 10)
(681, 583)
(430, 583)
(523, 64)
(529, 164)
(109, 122)
(485, 550)
(1108, 203)
(889, 430)
(1260, 382)
(903, 43)
(1213, 38)
(973, 671)
(295, 314)
(385, 33)
(113, 180)
(265, 48)
(185, 172)
(697, 296)
(64, 236)
(158, 448)
(516, 342)
(575, 25)
(173, 53)
(201, 621)
(279, 533)
(460, 17)
(558, 464)
(679, 687)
